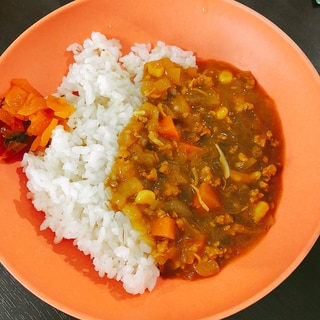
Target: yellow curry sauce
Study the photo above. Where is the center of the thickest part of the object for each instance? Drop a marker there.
(198, 169)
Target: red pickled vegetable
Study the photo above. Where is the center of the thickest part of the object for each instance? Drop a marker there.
(28, 119)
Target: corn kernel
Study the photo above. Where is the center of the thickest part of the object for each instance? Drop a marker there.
(225, 77)
(145, 197)
(221, 113)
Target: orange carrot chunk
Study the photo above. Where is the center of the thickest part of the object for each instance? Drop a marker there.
(206, 198)
(163, 227)
(168, 129)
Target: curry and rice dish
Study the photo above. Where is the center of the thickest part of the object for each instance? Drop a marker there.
(151, 163)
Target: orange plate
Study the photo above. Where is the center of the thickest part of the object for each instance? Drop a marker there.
(218, 29)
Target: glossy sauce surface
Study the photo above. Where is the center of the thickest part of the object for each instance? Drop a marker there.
(198, 170)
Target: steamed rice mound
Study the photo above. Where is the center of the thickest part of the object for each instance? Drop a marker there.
(67, 181)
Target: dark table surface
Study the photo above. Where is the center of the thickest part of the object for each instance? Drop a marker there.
(298, 297)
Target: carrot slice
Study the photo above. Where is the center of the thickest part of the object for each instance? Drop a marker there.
(163, 227)
(168, 129)
(206, 194)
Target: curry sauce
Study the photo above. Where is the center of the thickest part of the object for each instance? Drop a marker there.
(199, 165)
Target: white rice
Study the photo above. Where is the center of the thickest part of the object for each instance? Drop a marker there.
(67, 181)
